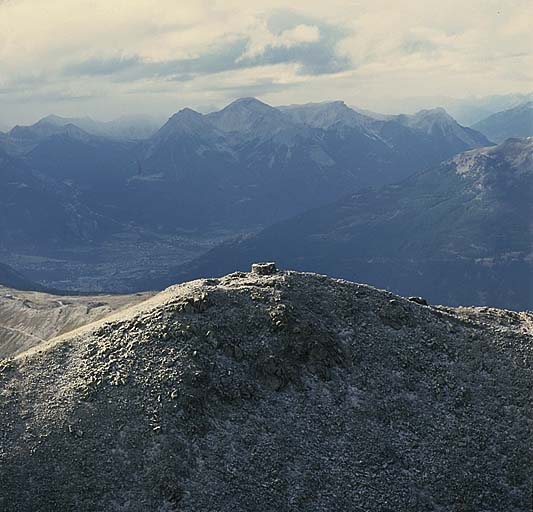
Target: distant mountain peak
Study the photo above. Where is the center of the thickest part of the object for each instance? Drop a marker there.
(245, 115)
(326, 114)
(185, 121)
(249, 103)
(432, 115)
(437, 122)
(55, 120)
(47, 127)
(187, 113)
(52, 119)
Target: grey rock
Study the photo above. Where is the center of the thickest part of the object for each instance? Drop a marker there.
(264, 269)
(394, 314)
(419, 300)
(420, 409)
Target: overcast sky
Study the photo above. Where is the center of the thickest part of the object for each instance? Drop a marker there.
(113, 57)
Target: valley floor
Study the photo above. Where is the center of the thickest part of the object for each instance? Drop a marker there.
(127, 263)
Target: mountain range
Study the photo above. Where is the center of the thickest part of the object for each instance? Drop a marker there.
(22, 138)
(247, 165)
(129, 214)
(459, 233)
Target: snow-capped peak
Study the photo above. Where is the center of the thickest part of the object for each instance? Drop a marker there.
(437, 122)
(325, 115)
(245, 114)
(426, 120)
(186, 121)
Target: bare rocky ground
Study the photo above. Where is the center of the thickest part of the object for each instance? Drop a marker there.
(29, 318)
(285, 391)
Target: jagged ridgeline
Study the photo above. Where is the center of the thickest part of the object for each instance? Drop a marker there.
(273, 391)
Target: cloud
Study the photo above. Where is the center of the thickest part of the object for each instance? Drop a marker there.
(263, 39)
(300, 44)
(300, 34)
(134, 68)
(296, 39)
(102, 66)
(201, 52)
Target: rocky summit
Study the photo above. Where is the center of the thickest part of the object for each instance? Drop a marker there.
(273, 390)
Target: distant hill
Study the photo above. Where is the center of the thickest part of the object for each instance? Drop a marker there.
(515, 122)
(22, 139)
(459, 233)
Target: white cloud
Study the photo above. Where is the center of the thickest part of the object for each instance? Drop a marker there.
(396, 49)
(299, 35)
(262, 38)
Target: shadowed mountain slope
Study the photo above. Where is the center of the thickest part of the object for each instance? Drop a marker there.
(460, 233)
(10, 278)
(38, 211)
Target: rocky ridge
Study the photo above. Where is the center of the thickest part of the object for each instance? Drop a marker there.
(273, 391)
(28, 318)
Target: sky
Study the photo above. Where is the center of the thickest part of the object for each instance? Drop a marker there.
(117, 57)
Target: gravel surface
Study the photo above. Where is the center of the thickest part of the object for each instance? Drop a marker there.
(273, 391)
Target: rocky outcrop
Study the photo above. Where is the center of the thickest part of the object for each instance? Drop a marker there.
(273, 391)
(264, 269)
